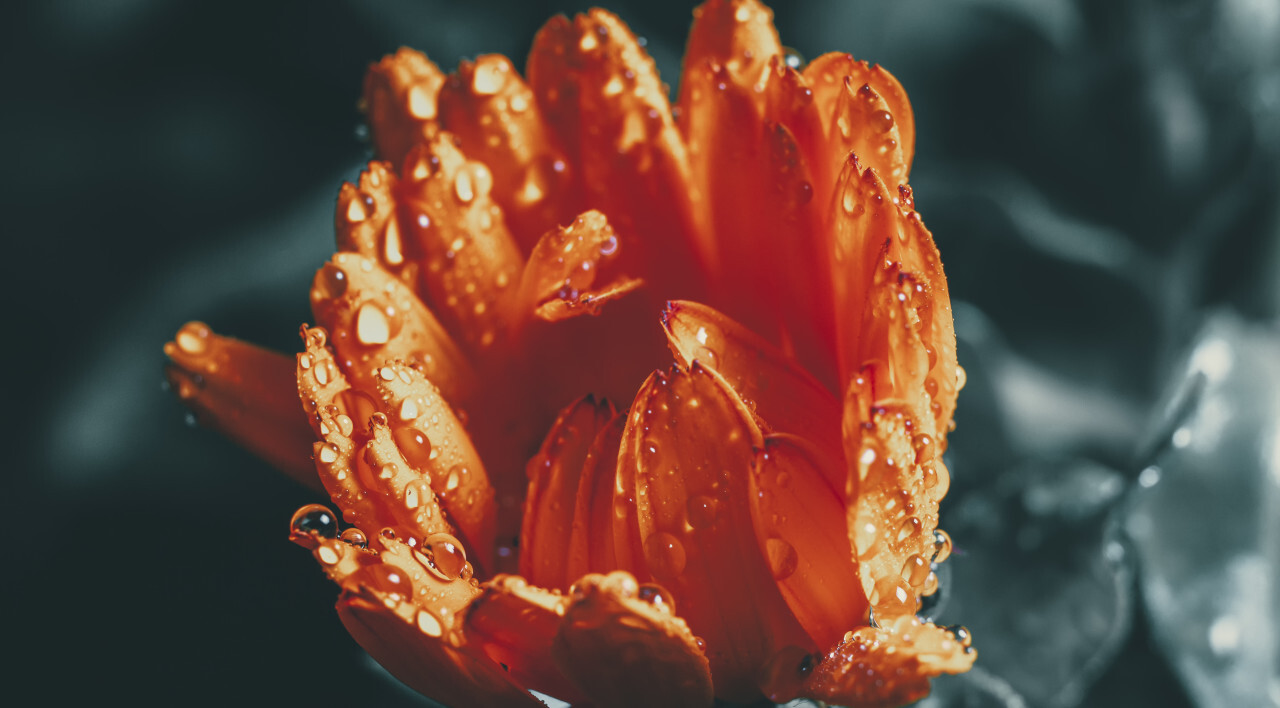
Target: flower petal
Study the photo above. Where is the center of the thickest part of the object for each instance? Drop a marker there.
(690, 442)
(435, 444)
(889, 665)
(601, 95)
(373, 317)
(400, 101)
(624, 651)
(591, 541)
(559, 277)
(554, 475)
(397, 604)
(495, 117)
(514, 623)
(246, 393)
(779, 391)
(366, 221)
(868, 114)
(799, 522)
(456, 234)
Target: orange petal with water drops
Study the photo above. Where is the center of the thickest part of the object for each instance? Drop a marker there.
(435, 445)
(885, 666)
(466, 258)
(554, 475)
(694, 443)
(366, 221)
(867, 112)
(559, 280)
(591, 546)
(600, 93)
(492, 111)
(623, 645)
(372, 317)
(899, 479)
(785, 396)
(405, 605)
(246, 393)
(514, 623)
(800, 525)
(400, 101)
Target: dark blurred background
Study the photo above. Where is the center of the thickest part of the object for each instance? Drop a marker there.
(1101, 177)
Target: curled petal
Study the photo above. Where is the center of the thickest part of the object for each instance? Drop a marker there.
(366, 221)
(246, 393)
(779, 391)
(691, 442)
(887, 665)
(514, 623)
(600, 93)
(869, 114)
(800, 525)
(400, 93)
(554, 475)
(435, 445)
(493, 113)
(373, 317)
(591, 546)
(466, 257)
(559, 278)
(624, 646)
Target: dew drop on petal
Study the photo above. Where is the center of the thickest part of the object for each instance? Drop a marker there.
(782, 558)
(372, 327)
(941, 545)
(445, 557)
(702, 511)
(354, 537)
(422, 105)
(193, 338)
(463, 187)
(657, 596)
(665, 555)
(356, 211)
(332, 281)
(328, 453)
(415, 446)
(428, 624)
(330, 554)
(314, 520)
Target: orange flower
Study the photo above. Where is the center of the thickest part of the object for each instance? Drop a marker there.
(736, 530)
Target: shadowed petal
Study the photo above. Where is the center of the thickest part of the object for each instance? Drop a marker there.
(400, 101)
(691, 441)
(466, 258)
(623, 650)
(591, 542)
(246, 393)
(495, 117)
(601, 95)
(560, 278)
(554, 475)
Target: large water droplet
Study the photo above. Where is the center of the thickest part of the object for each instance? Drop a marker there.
(941, 545)
(372, 327)
(702, 511)
(355, 537)
(782, 558)
(657, 596)
(332, 283)
(422, 104)
(193, 338)
(415, 446)
(314, 520)
(446, 558)
(665, 554)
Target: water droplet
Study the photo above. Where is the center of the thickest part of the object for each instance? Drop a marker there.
(321, 373)
(314, 520)
(355, 537)
(392, 248)
(415, 446)
(909, 528)
(924, 448)
(665, 555)
(702, 511)
(743, 13)
(416, 493)
(329, 553)
(941, 545)
(792, 58)
(422, 104)
(489, 77)
(328, 453)
(657, 596)
(359, 406)
(930, 584)
(961, 378)
(445, 557)
(881, 121)
(782, 558)
(519, 103)
(332, 283)
(409, 409)
(961, 634)
(372, 327)
(356, 211)
(193, 338)
(915, 570)
(428, 624)
(588, 42)
(463, 187)
(389, 579)
(613, 86)
(456, 473)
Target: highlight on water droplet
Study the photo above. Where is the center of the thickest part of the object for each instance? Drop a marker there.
(445, 556)
(314, 520)
(372, 327)
(665, 555)
(193, 338)
(354, 537)
(657, 596)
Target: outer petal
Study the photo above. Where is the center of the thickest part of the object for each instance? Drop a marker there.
(467, 259)
(493, 113)
(629, 652)
(778, 390)
(560, 279)
(601, 95)
(799, 521)
(692, 442)
(886, 666)
(400, 100)
(373, 317)
(244, 392)
(554, 475)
